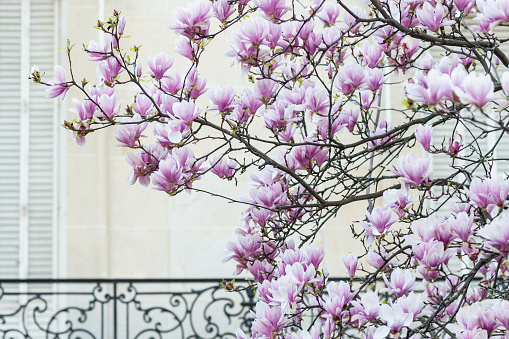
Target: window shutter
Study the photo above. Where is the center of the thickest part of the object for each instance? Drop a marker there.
(27, 136)
(10, 108)
(42, 159)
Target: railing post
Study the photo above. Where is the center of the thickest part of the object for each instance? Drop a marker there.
(115, 310)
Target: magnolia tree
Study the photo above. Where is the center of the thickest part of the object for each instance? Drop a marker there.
(312, 129)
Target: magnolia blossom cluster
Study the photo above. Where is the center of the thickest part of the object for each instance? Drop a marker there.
(315, 134)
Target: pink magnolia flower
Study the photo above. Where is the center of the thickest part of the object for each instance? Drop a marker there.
(504, 81)
(121, 25)
(349, 20)
(499, 191)
(372, 55)
(80, 131)
(222, 98)
(501, 313)
(269, 196)
(99, 53)
(424, 134)
(272, 9)
(143, 105)
(411, 303)
(109, 70)
(351, 263)
(477, 90)
(58, 86)
(495, 11)
(339, 297)
(314, 256)
(194, 86)
(169, 177)
(402, 281)
(461, 225)
(170, 134)
(249, 103)
(437, 85)
(186, 111)
(130, 133)
(399, 200)
(328, 126)
(246, 246)
(377, 260)
(284, 293)
(172, 83)
(306, 155)
(159, 65)
(108, 106)
(222, 167)
(222, 9)
(456, 144)
(349, 118)
(431, 16)
(290, 256)
(380, 221)
(432, 254)
(366, 309)
(268, 320)
(192, 20)
(412, 170)
(264, 90)
(443, 233)
(85, 111)
(317, 101)
(375, 79)
(464, 5)
(186, 47)
(249, 44)
(496, 234)
(329, 13)
(395, 319)
(300, 273)
(351, 78)
(144, 163)
(366, 100)
(424, 229)
(279, 115)
(479, 192)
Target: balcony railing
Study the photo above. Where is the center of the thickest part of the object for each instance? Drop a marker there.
(123, 308)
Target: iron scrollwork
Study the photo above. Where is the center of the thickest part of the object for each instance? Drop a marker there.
(130, 309)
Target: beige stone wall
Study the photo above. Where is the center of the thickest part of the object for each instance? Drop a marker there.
(117, 230)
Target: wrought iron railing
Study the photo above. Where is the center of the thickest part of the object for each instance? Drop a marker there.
(128, 308)
(123, 308)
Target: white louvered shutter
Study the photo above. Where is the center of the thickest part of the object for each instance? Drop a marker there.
(27, 137)
(10, 108)
(28, 163)
(42, 159)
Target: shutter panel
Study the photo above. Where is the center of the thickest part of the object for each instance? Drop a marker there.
(26, 253)
(42, 131)
(10, 74)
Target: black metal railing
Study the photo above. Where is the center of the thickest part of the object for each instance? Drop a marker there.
(123, 308)
(129, 308)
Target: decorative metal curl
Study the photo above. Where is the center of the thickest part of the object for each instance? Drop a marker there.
(130, 309)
